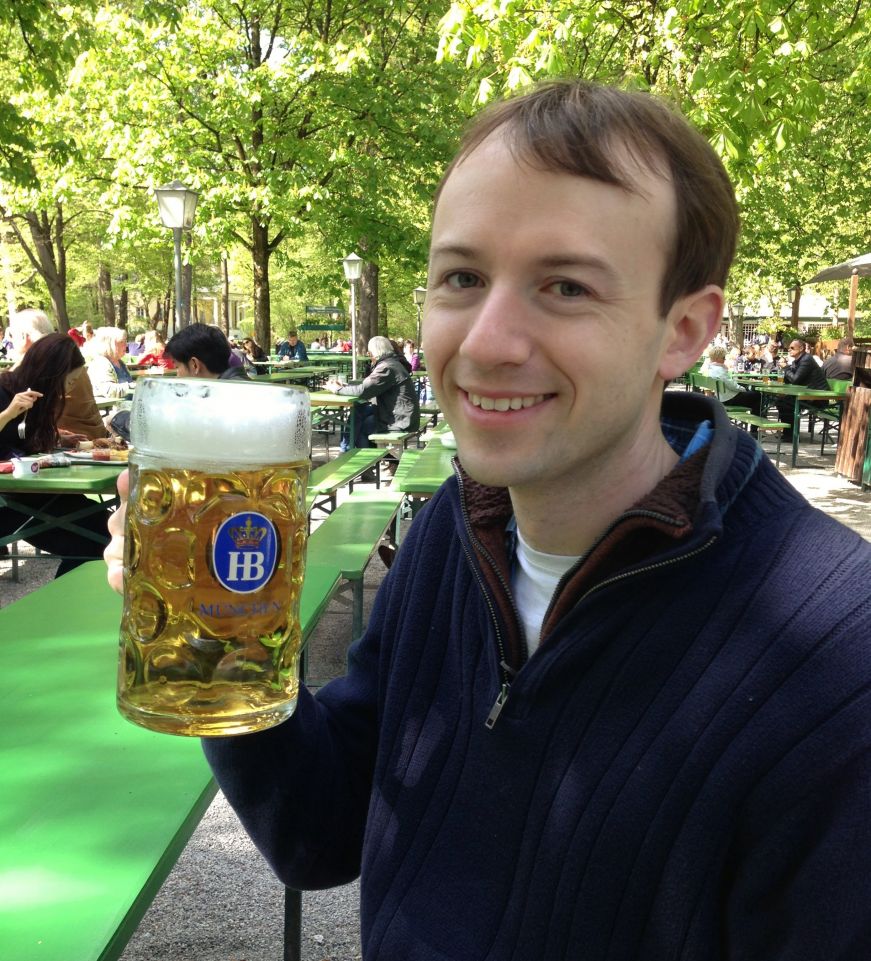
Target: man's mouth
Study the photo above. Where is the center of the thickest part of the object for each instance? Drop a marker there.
(505, 403)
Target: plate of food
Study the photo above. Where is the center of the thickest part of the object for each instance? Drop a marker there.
(99, 455)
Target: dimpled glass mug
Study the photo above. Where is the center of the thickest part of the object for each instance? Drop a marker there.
(214, 555)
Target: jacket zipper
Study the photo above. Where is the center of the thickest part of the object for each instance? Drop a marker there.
(505, 687)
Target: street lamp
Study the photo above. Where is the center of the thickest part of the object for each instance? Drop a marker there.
(353, 271)
(176, 204)
(738, 317)
(419, 294)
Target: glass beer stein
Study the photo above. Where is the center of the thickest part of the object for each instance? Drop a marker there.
(214, 555)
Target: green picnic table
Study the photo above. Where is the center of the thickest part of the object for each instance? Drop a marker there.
(86, 478)
(94, 810)
(799, 394)
(430, 469)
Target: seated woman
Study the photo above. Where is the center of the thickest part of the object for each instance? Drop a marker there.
(32, 394)
(253, 350)
(109, 377)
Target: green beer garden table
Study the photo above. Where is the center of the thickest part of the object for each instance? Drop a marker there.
(94, 810)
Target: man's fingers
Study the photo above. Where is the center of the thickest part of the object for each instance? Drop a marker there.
(114, 553)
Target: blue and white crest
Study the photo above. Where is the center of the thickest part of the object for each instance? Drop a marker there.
(245, 552)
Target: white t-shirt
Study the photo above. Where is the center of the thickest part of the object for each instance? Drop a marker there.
(534, 580)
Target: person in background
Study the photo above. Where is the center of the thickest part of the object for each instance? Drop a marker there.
(801, 370)
(79, 417)
(292, 348)
(106, 370)
(839, 366)
(154, 351)
(731, 393)
(391, 386)
(569, 729)
(136, 347)
(201, 350)
(32, 394)
(253, 350)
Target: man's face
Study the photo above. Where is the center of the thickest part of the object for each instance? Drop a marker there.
(542, 331)
(795, 349)
(292, 341)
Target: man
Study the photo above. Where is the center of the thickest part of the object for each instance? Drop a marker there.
(840, 365)
(391, 386)
(200, 350)
(292, 348)
(801, 370)
(80, 418)
(569, 729)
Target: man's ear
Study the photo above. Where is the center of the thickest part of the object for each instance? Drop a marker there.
(194, 366)
(691, 325)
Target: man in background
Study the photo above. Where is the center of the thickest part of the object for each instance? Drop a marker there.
(803, 371)
(840, 365)
(201, 350)
(292, 348)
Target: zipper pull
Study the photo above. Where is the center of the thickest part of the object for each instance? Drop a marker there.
(496, 710)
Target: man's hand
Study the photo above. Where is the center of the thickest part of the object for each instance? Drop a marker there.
(114, 553)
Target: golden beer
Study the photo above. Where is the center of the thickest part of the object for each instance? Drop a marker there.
(210, 632)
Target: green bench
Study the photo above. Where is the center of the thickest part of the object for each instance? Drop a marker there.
(745, 419)
(326, 481)
(349, 537)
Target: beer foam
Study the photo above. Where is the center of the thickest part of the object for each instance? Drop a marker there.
(192, 422)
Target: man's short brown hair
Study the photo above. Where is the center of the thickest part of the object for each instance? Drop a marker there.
(581, 128)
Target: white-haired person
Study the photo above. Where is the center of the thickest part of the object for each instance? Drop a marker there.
(391, 386)
(108, 374)
(79, 416)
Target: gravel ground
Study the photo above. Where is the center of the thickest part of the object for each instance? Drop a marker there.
(221, 902)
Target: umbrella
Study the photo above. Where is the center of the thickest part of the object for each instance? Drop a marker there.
(860, 265)
(852, 270)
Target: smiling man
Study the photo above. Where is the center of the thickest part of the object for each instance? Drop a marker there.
(569, 730)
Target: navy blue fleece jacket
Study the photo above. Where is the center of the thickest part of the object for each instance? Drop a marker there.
(681, 771)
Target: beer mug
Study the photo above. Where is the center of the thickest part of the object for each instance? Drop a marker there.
(214, 555)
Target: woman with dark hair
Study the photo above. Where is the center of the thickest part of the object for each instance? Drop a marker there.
(32, 395)
(254, 350)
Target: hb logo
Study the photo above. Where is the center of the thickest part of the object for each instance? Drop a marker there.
(245, 552)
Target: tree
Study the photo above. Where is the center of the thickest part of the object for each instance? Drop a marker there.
(267, 107)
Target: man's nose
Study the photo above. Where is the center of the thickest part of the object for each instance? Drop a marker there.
(500, 329)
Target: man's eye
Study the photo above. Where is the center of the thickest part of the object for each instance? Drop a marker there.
(568, 288)
(461, 279)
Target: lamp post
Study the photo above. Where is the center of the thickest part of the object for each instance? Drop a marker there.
(353, 270)
(176, 204)
(419, 294)
(738, 327)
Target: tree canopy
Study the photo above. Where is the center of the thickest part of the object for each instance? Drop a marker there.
(311, 129)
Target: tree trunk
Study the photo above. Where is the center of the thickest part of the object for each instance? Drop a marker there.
(107, 303)
(123, 304)
(48, 257)
(367, 308)
(260, 260)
